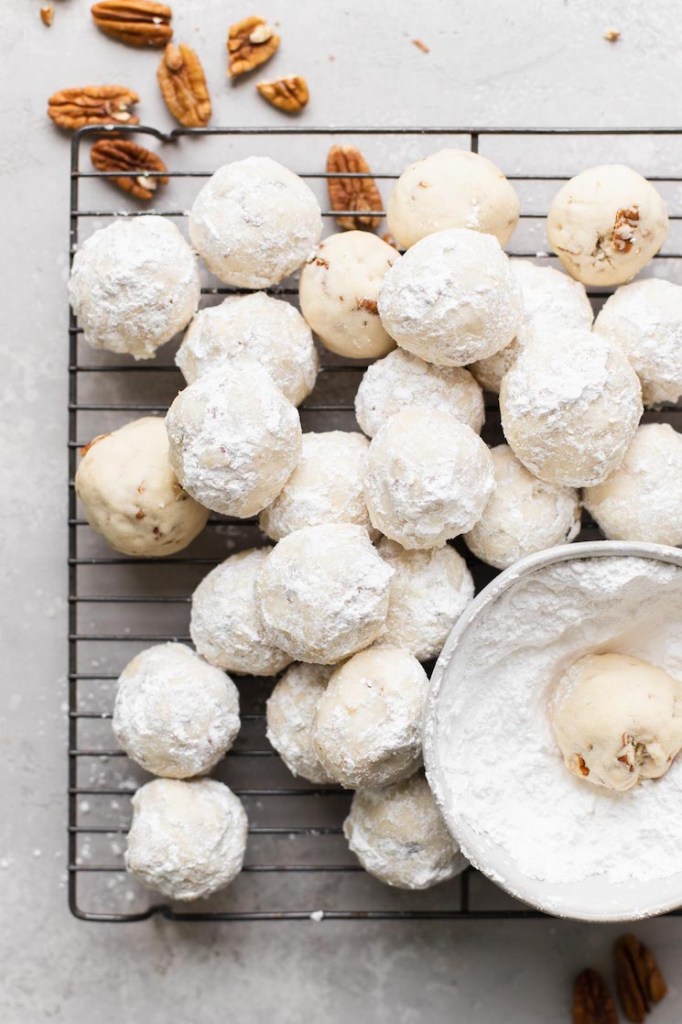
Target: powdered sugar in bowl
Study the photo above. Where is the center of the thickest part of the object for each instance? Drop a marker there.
(552, 840)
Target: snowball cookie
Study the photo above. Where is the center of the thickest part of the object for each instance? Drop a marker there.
(225, 623)
(429, 591)
(401, 380)
(570, 406)
(645, 318)
(451, 189)
(399, 836)
(551, 301)
(290, 712)
(254, 222)
(234, 438)
(452, 298)
(428, 478)
(606, 224)
(642, 499)
(187, 839)
(367, 730)
(131, 495)
(325, 487)
(617, 720)
(323, 593)
(134, 284)
(174, 714)
(524, 514)
(269, 330)
(339, 290)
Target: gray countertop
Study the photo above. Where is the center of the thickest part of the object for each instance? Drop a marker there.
(491, 62)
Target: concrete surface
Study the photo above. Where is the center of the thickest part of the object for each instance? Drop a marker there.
(538, 62)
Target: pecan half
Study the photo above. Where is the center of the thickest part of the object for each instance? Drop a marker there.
(183, 86)
(624, 229)
(287, 94)
(250, 42)
(592, 1001)
(93, 104)
(358, 195)
(134, 161)
(639, 979)
(135, 22)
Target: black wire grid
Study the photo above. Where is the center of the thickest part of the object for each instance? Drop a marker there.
(297, 861)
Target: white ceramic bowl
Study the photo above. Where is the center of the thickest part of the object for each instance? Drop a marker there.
(593, 898)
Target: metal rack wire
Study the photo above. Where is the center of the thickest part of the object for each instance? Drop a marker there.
(297, 862)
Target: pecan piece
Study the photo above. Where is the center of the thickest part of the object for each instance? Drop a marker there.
(624, 229)
(135, 22)
(250, 42)
(359, 195)
(134, 161)
(639, 979)
(592, 1001)
(183, 86)
(287, 94)
(93, 104)
(47, 15)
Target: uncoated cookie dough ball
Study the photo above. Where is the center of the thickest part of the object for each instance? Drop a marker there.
(234, 439)
(401, 380)
(367, 730)
(225, 623)
(429, 592)
(451, 189)
(617, 720)
(645, 319)
(524, 514)
(606, 224)
(399, 836)
(174, 714)
(131, 495)
(323, 593)
(551, 301)
(428, 478)
(325, 487)
(451, 299)
(642, 499)
(290, 713)
(570, 406)
(134, 284)
(187, 839)
(339, 291)
(269, 330)
(254, 222)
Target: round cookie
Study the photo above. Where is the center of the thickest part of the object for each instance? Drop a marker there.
(323, 593)
(606, 224)
(234, 439)
(131, 495)
(339, 290)
(254, 222)
(428, 478)
(134, 284)
(175, 715)
(452, 188)
(187, 839)
(269, 330)
(290, 713)
(452, 298)
(225, 623)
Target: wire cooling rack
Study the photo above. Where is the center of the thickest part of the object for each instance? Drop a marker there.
(297, 861)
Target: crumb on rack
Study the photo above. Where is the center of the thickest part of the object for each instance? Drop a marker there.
(612, 35)
(47, 15)
(421, 45)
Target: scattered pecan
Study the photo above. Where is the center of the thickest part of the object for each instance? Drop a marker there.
(421, 45)
(47, 15)
(358, 195)
(624, 229)
(133, 159)
(93, 104)
(250, 42)
(612, 35)
(287, 94)
(135, 22)
(592, 1001)
(638, 978)
(183, 86)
